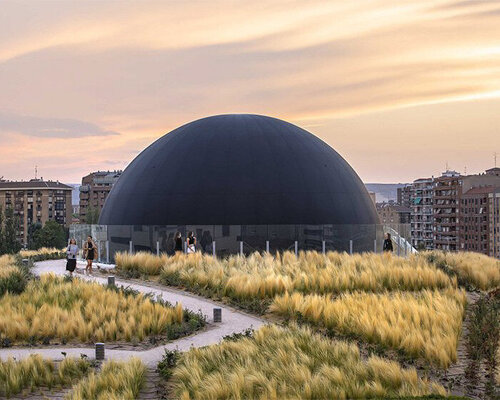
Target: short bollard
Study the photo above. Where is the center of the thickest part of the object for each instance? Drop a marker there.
(25, 262)
(99, 351)
(111, 280)
(217, 315)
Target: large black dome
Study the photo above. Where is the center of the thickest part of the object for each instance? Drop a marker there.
(238, 169)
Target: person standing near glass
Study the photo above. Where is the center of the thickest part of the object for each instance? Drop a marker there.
(178, 242)
(190, 243)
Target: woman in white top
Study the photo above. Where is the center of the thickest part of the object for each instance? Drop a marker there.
(190, 243)
(71, 253)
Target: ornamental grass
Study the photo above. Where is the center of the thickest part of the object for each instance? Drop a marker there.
(291, 363)
(58, 308)
(35, 372)
(264, 276)
(115, 380)
(474, 269)
(424, 324)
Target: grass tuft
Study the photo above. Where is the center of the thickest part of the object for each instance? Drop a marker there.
(472, 269)
(424, 325)
(292, 363)
(116, 380)
(55, 307)
(35, 371)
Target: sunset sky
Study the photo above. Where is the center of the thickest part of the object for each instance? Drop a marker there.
(398, 88)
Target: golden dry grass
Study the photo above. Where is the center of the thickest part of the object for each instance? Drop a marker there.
(291, 363)
(8, 270)
(477, 269)
(81, 311)
(7, 266)
(7, 261)
(13, 278)
(44, 251)
(264, 276)
(35, 371)
(116, 380)
(425, 324)
(143, 262)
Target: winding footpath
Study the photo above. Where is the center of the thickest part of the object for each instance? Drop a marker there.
(233, 321)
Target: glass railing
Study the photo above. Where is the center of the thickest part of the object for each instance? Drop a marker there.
(223, 240)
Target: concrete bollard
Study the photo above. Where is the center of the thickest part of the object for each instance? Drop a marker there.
(296, 248)
(241, 248)
(99, 351)
(111, 280)
(267, 246)
(217, 314)
(350, 247)
(323, 245)
(213, 249)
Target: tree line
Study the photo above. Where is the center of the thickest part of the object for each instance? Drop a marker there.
(51, 234)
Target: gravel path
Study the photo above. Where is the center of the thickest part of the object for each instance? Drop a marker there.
(233, 321)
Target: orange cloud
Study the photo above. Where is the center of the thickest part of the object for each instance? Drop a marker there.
(143, 68)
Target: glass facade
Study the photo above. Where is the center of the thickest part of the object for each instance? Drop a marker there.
(224, 240)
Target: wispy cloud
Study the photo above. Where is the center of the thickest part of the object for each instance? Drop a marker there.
(49, 127)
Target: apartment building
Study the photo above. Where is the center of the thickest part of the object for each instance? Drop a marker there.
(422, 213)
(445, 209)
(494, 222)
(36, 201)
(393, 213)
(404, 197)
(478, 222)
(95, 189)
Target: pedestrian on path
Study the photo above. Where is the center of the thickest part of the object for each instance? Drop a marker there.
(90, 254)
(71, 253)
(388, 243)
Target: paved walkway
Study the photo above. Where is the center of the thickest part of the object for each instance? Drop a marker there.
(232, 322)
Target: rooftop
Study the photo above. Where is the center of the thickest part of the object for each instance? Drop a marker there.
(481, 190)
(33, 184)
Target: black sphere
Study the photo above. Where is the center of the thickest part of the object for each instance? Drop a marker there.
(239, 169)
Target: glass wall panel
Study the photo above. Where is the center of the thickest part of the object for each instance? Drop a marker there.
(228, 238)
(282, 237)
(254, 238)
(163, 237)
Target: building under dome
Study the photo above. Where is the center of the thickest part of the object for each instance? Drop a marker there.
(240, 178)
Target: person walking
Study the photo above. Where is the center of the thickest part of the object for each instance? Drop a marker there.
(90, 253)
(388, 243)
(190, 243)
(71, 253)
(178, 242)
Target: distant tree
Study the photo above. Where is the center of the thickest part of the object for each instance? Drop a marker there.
(10, 224)
(92, 216)
(51, 235)
(32, 233)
